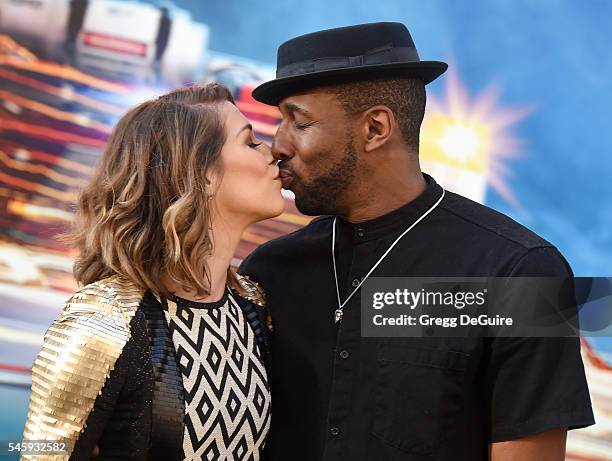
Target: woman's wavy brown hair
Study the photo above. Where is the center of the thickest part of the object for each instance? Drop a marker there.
(146, 212)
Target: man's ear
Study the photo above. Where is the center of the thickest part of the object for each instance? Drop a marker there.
(378, 125)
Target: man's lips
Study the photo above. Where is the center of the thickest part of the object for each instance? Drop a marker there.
(286, 177)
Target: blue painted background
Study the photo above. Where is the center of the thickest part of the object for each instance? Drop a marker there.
(552, 55)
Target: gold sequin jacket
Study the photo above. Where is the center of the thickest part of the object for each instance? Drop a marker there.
(107, 374)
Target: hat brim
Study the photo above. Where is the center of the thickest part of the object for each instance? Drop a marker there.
(276, 90)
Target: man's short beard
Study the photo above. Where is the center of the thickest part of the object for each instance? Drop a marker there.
(320, 196)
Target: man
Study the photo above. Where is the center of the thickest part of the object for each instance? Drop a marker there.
(352, 101)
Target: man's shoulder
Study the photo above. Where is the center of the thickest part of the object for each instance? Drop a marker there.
(298, 240)
(290, 247)
(480, 219)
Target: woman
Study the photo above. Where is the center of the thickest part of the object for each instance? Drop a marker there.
(156, 357)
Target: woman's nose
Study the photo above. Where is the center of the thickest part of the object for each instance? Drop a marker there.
(268, 153)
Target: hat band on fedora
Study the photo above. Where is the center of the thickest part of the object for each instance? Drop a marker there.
(383, 55)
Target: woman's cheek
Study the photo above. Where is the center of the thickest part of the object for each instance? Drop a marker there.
(251, 178)
(249, 173)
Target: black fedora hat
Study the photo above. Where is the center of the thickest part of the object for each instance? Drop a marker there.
(361, 52)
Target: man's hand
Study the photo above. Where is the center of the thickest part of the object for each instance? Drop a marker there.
(547, 446)
(96, 451)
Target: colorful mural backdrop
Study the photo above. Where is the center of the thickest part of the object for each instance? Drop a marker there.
(70, 69)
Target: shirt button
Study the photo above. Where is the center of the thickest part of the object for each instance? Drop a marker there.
(344, 354)
(360, 232)
(334, 431)
(356, 282)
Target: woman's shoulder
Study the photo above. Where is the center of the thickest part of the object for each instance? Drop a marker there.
(79, 353)
(97, 316)
(247, 289)
(251, 293)
(112, 296)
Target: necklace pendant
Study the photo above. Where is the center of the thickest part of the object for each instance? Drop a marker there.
(338, 315)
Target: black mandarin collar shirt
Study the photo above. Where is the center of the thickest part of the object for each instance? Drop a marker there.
(393, 223)
(339, 396)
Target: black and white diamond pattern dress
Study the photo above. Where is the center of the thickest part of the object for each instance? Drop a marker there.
(227, 397)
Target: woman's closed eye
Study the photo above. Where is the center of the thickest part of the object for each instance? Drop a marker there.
(255, 145)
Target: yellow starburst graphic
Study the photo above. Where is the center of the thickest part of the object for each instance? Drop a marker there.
(466, 142)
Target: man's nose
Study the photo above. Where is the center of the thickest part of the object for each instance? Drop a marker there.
(281, 148)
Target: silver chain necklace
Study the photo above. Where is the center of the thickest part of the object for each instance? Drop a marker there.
(338, 313)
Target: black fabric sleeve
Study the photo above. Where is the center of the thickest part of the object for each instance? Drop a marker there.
(129, 431)
(103, 408)
(536, 384)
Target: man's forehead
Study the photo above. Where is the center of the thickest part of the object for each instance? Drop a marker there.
(307, 103)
